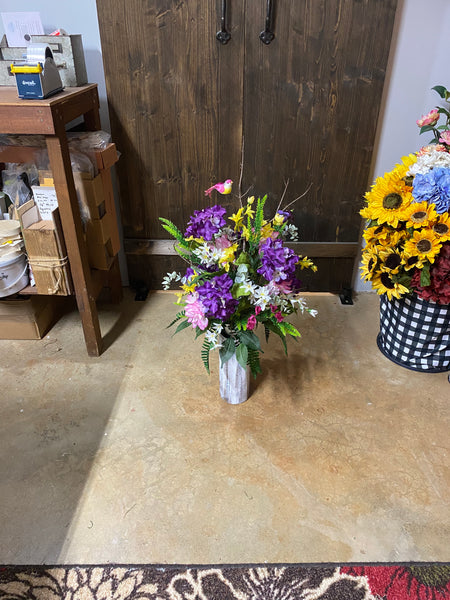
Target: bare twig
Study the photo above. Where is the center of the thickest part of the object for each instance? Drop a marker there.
(298, 197)
(241, 172)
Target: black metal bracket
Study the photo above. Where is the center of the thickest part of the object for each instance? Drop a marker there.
(268, 35)
(223, 35)
(346, 296)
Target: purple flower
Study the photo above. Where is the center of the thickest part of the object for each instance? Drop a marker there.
(434, 187)
(205, 223)
(277, 261)
(215, 296)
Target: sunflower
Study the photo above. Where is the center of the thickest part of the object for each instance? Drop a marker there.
(442, 227)
(385, 285)
(420, 214)
(390, 195)
(369, 262)
(391, 261)
(376, 234)
(424, 244)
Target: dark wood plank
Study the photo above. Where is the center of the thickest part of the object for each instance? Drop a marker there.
(175, 98)
(310, 249)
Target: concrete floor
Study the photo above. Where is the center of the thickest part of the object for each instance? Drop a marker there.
(338, 455)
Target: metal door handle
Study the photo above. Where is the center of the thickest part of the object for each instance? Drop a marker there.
(223, 35)
(268, 35)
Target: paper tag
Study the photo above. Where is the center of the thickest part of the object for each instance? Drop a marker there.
(46, 200)
(20, 26)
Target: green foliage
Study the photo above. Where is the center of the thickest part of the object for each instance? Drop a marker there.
(182, 326)
(206, 348)
(178, 316)
(253, 362)
(172, 229)
(425, 278)
(250, 340)
(227, 350)
(242, 355)
(289, 329)
(442, 91)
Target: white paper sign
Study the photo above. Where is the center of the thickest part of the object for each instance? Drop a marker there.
(46, 200)
(20, 26)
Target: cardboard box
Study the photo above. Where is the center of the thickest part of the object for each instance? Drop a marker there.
(107, 157)
(27, 318)
(47, 256)
(100, 255)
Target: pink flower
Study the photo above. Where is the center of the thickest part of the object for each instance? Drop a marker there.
(222, 242)
(257, 310)
(278, 317)
(283, 286)
(195, 312)
(445, 137)
(251, 323)
(430, 119)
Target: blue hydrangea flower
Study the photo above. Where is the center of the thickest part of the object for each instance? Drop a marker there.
(433, 187)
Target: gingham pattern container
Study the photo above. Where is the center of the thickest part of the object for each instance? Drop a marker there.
(415, 333)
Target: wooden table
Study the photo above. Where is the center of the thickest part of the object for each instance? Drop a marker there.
(49, 117)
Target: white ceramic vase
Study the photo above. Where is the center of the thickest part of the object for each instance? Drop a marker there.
(234, 381)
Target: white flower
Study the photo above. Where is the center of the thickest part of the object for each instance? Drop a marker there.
(425, 162)
(292, 231)
(213, 338)
(174, 276)
(241, 273)
(262, 297)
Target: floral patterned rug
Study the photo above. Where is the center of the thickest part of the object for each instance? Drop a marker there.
(412, 581)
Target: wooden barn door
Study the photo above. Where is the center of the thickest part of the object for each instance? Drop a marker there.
(186, 110)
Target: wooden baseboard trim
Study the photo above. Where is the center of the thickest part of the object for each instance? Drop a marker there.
(142, 247)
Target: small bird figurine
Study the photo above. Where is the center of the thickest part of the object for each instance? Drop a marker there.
(222, 188)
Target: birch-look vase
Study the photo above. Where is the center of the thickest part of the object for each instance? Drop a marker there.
(234, 381)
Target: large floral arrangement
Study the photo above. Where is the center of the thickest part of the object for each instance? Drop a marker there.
(240, 274)
(407, 234)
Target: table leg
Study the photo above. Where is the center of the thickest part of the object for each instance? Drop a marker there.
(69, 211)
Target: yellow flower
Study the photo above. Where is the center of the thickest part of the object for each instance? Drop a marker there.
(419, 214)
(307, 263)
(383, 284)
(228, 256)
(390, 195)
(391, 261)
(442, 227)
(266, 230)
(424, 244)
(245, 232)
(278, 220)
(238, 218)
(369, 262)
(249, 212)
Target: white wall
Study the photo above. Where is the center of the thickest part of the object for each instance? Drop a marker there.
(75, 16)
(418, 61)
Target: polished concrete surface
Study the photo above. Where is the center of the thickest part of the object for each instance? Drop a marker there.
(338, 455)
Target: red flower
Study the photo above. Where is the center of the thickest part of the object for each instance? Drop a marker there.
(439, 289)
(414, 582)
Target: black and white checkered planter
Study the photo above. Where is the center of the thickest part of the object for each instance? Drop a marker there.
(415, 333)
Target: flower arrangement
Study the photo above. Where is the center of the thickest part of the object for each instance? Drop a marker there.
(240, 274)
(408, 224)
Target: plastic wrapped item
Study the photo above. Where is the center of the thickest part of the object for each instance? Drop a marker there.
(17, 181)
(88, 140)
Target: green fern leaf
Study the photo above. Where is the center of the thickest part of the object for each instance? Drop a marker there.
(206, 348)
(172, 229)
(253, 362)
(289, 329)
(178, 316)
